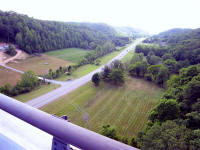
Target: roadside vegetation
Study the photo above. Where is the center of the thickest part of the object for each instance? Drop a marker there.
(29, 81)
(128, 57)
(85, 69)
(36, 92)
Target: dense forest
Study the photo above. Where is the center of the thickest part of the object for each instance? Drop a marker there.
(171, 60)
(36, 36)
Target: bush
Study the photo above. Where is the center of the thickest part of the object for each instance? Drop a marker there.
(96, 79)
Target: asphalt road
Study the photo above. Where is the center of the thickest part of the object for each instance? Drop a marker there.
(69, 86)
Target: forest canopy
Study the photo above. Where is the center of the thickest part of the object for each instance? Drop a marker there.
(36, 36)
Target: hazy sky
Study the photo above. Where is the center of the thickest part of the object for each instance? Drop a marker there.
(151, 15)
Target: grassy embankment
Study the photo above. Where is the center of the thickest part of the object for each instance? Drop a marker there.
(43, 89)
(128, 57)
(125, 107)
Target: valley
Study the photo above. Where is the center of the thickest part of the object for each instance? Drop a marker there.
(136, 88)
(125, 107)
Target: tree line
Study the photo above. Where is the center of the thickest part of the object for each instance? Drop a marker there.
(174, 122)
(113, 74)
(28, 82)
(37, 36)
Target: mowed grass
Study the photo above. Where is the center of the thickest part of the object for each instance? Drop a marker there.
(125, 107)
(128, 57)
(83, 70)
(8, 76)
(39, 64)
(43, 89)
(70, 54)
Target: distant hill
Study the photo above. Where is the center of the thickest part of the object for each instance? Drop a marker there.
(109, 30)
(185, 38)
(183, 44)
(33, 35)
(129, 31)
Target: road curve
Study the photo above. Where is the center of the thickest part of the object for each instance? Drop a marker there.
(69, 86)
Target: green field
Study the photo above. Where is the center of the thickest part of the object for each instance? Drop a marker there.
(43, 89)
(83, 70)
(70, 54)
(125, 107)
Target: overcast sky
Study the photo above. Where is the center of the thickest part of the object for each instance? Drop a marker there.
(151, 15)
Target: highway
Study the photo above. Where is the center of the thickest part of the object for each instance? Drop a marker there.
(69, 86)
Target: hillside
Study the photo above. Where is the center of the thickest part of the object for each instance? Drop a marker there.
(33, 35)
(129, 31)
(181, 44)
(184, 38)
(172, 60)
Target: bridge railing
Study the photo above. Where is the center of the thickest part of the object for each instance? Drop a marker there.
(61, 129)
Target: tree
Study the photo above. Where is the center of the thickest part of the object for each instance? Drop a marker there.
(96, 79)
(137, 58)
(159, 73)
(97, 62)
(134, 142)
(192, 89)
(165, 110)
(193, 120)
(171, 64)
(153, 60)
(117, 64)
(124, 140)
(69, 68)
(186, 74)
(110, 132)
(194, 140)
(29, 79)
(11, 50)
(138, 69)
(117, 76)
(153, 70)
(162, 76)
(167, 136)
(106, 72)
(167, 56)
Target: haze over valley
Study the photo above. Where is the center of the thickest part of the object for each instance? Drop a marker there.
(127, 70)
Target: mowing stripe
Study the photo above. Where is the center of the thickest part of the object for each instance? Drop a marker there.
(101, 113)
(122, 114)
(105, 105)
(116, 106)
(133, 116)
